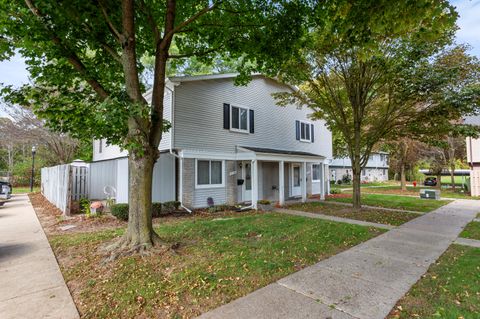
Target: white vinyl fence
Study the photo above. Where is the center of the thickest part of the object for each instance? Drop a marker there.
(63, 183)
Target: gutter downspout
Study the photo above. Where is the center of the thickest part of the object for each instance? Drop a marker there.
(171, 152)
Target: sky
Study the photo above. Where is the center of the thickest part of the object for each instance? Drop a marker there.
(13, 72)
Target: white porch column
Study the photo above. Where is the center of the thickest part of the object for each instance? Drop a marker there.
(281, 183)
(304, 182)
(327, 178)
(323, 182)
(254, 183)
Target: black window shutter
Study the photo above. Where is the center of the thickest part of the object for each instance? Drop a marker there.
(312, 133)
(252, 122)
(297, 130)
(226, 116)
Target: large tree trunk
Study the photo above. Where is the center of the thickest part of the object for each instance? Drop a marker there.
(140, 230)
(439, 181)
(356, 171)
(452, 175)
(403, 179)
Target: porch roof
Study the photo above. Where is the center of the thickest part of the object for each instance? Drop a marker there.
(280, 152)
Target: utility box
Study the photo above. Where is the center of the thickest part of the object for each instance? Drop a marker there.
(430, 193)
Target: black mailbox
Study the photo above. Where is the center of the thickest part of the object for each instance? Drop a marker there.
(240, 181)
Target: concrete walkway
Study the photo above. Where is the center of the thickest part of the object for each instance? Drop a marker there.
(377, 207)
(468, 242)
(31, 284)
(364, 282)
(332, 218)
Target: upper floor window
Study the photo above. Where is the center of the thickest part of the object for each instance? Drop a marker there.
(239, 118)
(209, 173)
(382, 157)
(304, 131)
(100, 146)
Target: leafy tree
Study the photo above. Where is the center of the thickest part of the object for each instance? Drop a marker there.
(449, 82)
(357, 70)
(405, 153)
(85, 60)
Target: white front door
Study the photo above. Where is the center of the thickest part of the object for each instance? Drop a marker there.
(296, 188)
(247, 181)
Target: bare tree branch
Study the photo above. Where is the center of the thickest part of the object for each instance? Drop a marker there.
(70, 55)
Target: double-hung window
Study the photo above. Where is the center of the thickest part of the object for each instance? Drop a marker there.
(239, 119)
(209, 173)
(305, 132)
(315, 172)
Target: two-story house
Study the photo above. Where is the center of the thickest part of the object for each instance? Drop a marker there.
(376, 169)
(227, 145)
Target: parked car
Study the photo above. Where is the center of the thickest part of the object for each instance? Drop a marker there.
(430, 181)
(5, 190)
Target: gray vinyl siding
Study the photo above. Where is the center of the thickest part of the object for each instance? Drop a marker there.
(163, 188)
(102, 174)
(200, 196)
(198, 121)
(167, 115)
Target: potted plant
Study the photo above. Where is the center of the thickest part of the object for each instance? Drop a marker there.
(264, 205)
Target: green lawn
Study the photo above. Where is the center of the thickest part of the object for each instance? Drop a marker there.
(450, 289)
(397, 202)
(369, 215)
(342, 186)
(472, 231)
(217, 261)
(459, 180)
(414, 191)
(24, 189)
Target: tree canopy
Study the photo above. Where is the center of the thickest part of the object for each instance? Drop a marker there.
(76, 52)
(87, 60)
(367, 72)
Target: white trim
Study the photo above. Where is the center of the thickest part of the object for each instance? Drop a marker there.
(281, 183)
(239, 130)
(176, 80)
(309, 131)
(254, 183)
(197, 186)
(246, 155)
(303, 181)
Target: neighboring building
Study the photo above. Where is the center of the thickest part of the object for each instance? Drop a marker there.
(473, 157)
(230, 143)
(376, 169)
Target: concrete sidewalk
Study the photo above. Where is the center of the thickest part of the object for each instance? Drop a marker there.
(332, 218)
(365, 281)
(31, 284)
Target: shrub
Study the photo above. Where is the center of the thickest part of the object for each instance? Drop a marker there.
(334, 191)
(120, 211)
(346, 179)
(170, 207)
(218, 208)
(156, 209)
(264, 202)
(85, 206)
